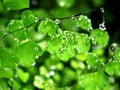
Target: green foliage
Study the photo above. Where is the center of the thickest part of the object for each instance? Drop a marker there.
(99, 37)
(28, 17)
(16, 4)
(84, 22)
(27, 52)
(60, 53)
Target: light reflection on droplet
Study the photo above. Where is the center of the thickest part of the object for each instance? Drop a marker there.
(57, 21)
(16, 39)
(73, 17)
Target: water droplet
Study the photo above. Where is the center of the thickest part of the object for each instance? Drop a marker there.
(112, 79)
(64, 38)
(90, 29)
(103, 64)
(34, 64)
(16, 39)
(57, 21)
(113, 47)
(52, 73)
(73, 17)
(102, 9)
(62, 3)
(110, 60)
(36, 49)
(36, 57)
(102, 26)
(53, 67)
(5, 33)
(94, 42)
(36, 19)
(85, 17)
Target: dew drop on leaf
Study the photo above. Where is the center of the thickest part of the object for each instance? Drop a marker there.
(34, 64)
(57, 21)
(16, 40)
(36, 57)
(36, 19)
(36, 49)
(73, 17)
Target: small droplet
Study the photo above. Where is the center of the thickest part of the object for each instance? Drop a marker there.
(94, 42)
(73, 17)
(57, 21)
(110, 60)
(103, 64)
(36, 49)
(62, 3)
(113, 47)
(102, 9)
(102, 26)
(5, 33)
(36, 57)
(36, 19)
(34, 64)
(16, 39)
(64, 38)
(52, 73)
(90, 29)
(53, 67)
(118, 73)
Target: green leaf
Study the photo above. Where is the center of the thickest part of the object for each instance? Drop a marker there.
(84, 22)
(24, 76)
(16, 4)
(27, 52)
(99, 37)
(117, 54)
(7, 59)
(48, 27)
(83, 43)
(92, 59)
(65, 3)
(66, 44)
(28, 18)
(3, 84)
(17, 27)
(113, 68)
(93, 81)
(6, 73)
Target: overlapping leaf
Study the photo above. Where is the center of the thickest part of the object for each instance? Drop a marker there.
(66, 44)
(27, 53)
(99, 37)
(84, 22)
(93, 81)
(17, 27)
(16, 4)
(28, 17)
(7, 59)
(48, 27)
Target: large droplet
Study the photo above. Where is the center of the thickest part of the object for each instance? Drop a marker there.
(102, 26)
